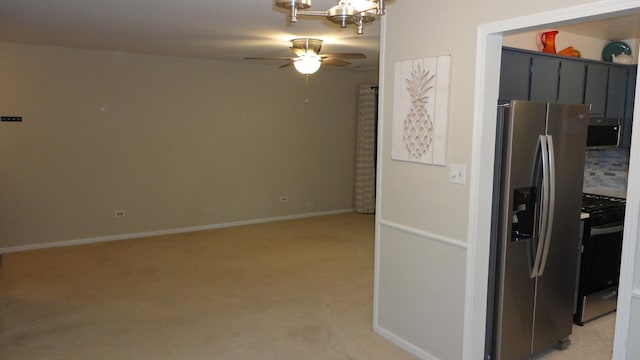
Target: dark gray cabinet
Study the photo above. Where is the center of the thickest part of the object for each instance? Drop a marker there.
(544, 79)
(616, 92)
(515, 72)
(572, 81)
(595, 92)
(628, 107)
(535, 76)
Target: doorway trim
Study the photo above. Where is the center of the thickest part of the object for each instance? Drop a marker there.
(488, 52)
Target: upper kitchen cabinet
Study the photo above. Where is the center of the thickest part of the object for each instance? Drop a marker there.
(595, 92)
(535, 76)
(515, 75)
(610, 89)
(628, 107)
(616, 92)
(527, 75)
(606, 89)
(544, 79)
(572, 79)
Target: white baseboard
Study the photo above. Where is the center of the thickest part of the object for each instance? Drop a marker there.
(403, 344)
(167, 231)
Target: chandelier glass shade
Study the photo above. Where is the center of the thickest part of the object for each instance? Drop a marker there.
(307, 64)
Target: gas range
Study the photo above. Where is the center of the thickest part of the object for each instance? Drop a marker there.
(603, 209)
(600, 256)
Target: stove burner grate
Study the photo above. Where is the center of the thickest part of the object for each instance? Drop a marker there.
(592, 203)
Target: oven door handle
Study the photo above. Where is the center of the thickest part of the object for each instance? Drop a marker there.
(606, 230)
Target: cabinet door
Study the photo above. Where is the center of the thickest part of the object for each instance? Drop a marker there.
(544, 79)
(595, 92)
(572, 77)
(514, 75)
(628, 108)
(616, 92)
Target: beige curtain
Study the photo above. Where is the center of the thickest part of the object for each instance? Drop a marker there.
(365, 191)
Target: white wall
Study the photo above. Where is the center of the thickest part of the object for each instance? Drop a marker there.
(174, 142)
(628, 318)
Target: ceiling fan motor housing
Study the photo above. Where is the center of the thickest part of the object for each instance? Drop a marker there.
(307, 45)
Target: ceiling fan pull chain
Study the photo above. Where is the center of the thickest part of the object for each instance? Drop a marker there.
(306, 89)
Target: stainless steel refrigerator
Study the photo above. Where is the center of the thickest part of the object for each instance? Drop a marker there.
(535, 232)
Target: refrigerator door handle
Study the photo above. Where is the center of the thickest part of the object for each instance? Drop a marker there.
(543, 210)
(551, 204)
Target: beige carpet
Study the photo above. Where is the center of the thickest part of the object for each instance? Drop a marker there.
(299, 289)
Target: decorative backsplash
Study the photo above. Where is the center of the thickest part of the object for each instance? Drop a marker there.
(606, 171)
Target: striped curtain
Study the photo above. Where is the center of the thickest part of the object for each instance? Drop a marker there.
(365, 179)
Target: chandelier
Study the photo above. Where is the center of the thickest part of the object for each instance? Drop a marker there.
(346, 12)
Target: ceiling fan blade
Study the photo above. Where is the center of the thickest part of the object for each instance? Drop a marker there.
(334, 62)
(269, 58)
(344, 56)
(290, 63)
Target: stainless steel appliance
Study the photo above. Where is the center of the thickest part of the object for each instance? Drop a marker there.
(603, 133)
(599, 257)
(536, 211)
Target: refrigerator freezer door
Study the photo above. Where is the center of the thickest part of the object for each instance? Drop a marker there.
(514, 288)
(567, 124)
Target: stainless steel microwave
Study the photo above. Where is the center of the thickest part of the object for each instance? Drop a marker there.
(603, 133)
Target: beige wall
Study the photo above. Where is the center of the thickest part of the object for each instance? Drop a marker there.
(422, 277)
(174, 142)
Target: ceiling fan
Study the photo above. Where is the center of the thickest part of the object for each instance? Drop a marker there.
(307, 57)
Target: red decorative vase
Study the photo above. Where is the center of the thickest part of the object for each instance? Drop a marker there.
(548, 40)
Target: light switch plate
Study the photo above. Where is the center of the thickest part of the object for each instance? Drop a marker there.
(457, 174)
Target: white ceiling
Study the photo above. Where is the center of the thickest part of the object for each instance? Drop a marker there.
(619, 28)
(214, 29)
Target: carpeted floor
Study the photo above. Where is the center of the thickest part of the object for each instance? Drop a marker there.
(299, 289)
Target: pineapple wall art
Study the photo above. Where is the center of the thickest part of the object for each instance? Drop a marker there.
(420, 110)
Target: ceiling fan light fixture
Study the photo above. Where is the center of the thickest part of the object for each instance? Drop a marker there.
(307, 64)
(308, 59)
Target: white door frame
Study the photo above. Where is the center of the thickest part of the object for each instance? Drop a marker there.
(489, 42)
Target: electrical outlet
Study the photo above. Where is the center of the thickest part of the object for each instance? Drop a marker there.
(120, 214)
(284, 198)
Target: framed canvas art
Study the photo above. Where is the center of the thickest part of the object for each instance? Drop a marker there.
(421, 110)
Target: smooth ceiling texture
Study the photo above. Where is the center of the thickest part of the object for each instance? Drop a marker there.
(221, 30)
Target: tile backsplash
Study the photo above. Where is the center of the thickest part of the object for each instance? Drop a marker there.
(606, 171)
